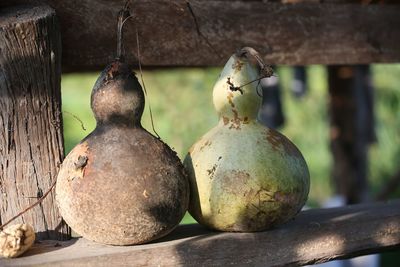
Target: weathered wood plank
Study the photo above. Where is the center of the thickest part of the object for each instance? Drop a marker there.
(303, 33)
(31, 142)
(317, 235)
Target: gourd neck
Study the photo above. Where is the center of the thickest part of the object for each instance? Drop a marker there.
(235, 94)
(117, 97)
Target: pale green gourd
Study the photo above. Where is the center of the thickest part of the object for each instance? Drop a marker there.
(244, 176)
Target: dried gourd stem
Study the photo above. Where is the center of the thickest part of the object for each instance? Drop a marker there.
(266, 71)
(199, 33)
(144, 86)
(258, 79)
(31, 206)
(123, 16)
(232, 87)
(76, 118)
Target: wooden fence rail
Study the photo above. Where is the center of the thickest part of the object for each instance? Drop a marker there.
(302, 33)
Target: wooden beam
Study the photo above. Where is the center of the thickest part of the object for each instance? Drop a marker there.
(31, 141)
(315, 236)
(302, 33)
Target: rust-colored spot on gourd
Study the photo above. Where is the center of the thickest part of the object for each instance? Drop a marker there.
(278, 141)
(240, 176)
(237, 66)
(230, 99)
(288, 199)
(232, 180)
(81, 149)
(78, 166)
(226, 120)
(236, 121)
(211, 172)
(207, 143)
(274, 139)
(235, 114)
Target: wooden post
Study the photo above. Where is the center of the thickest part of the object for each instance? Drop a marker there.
(352, 129)
(31, 141)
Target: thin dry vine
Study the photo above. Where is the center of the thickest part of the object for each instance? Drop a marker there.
(76, 118)
(144, 86)
(30, 207)
(199, 33)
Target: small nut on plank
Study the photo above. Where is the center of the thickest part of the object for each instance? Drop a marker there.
(16, 239)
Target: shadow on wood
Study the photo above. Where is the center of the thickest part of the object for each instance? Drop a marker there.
(315, 236)
(48, 246)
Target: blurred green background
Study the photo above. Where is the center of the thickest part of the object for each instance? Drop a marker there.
(181, 101)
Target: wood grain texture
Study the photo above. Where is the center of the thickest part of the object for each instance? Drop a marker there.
(302, 33)
(314, 236)
(31, 142)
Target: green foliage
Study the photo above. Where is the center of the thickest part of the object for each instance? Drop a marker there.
(307, 126)
(181, 101)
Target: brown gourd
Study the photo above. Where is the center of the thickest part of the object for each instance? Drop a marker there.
(121, 185)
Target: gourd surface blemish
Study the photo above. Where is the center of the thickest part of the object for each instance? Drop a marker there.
(243, 176)
(121, 185)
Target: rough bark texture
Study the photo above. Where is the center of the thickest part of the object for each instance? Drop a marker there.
(303, 33)
(31, 142)
(352, 129)
(314, 236)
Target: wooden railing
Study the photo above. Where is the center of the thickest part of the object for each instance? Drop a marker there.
(332, 32)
